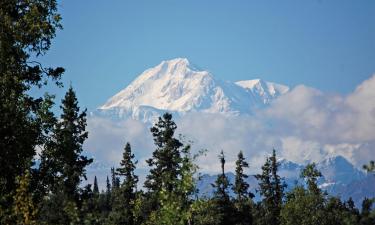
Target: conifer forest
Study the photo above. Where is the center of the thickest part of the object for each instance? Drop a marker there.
(43, 165)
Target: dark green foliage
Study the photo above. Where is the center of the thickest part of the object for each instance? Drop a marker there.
(221, 198)
(115, 183)
(367, 215)
(309, 207)
(243, 202)
(26, 31)
(311, 174)
(204, 212)
(303, 207)
(70, 135)
(108, 194)
(166, 159)
(222, 182)
(61, 159)
(165, 164)
(125, 194)
(240, 187)
(337, 212)
(63, 166)
(301, 202)
(96, 188)
(271, 189)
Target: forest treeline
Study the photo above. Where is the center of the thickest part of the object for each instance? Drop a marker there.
(51, 191)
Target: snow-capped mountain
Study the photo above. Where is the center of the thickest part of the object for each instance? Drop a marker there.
(263, 91)
(338, 170)
(177, 87)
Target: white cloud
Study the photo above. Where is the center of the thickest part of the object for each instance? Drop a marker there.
(107, 138)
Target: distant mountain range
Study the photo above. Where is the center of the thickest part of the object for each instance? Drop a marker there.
(339, 178)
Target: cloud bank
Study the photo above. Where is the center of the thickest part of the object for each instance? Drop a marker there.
(303, 125)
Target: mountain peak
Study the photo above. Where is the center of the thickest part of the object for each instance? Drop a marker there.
(177, 61)
(338, 168)
(267, 90)
(177, 87)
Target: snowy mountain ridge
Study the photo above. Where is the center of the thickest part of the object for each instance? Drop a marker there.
(176, 86)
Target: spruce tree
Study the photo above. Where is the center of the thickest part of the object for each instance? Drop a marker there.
(108, 194)
(311, 174)
(301, 202)
(115, 181)
(303, 207)
(123, 205)
(166, 159)
(221, 196)
(367, 217)
(271, 189)
(165, 164)
(243, 196)
(63, 160)
(96, 188)
(70, 134)
(240, 187)
(222, 182)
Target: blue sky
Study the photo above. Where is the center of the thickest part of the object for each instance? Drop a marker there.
(329, 45)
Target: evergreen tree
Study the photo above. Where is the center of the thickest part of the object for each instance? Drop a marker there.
(204, 212)
(96, 188)
(336, 212)
(165, 164)
(221, 196)
(301, 202)
(108, 194)
(272, 190)
(311, 174)
(26, 31)
(123, 205)
(176, 207)
(115, 180)
(63, 158)
(243, 201)
(166, 159)
(69, 136)
(304, 208)
(367, 216)
(240, 187)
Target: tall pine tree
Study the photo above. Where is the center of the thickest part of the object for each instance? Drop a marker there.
(271, 189)
(221, 196)
(311, 174)
(96, 187)
(166, 159)
(243, 200)
(240, 187)
(70, 134)
(63, 158)
(301, 202)
(123, 205)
